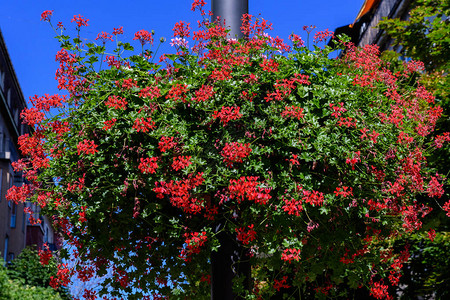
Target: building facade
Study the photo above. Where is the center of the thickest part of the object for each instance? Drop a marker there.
(364, 30)
(16, 231)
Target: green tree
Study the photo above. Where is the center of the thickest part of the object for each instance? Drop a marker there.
(305, 168)
(28, 268)
(425, 36)
(13, 289)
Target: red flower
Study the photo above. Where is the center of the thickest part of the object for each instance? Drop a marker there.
(431, 234)
(235, 152)
(344, 191)
(45, 255)
(181, 162)
(109, 124)
(199, 3)
(226, 114)
(247, 187)
(181, 29)
(86, 146)
(379, 291)
(435, 189)
(144, 125)
(293, 207)
(144, 37)
(103, 36)
(356, 158)
(280, 284)
(117, 31)
(80, 20)
(166, 143)
(313, 198)
(321, 36)
(177, 92)
(292, 112)
(291, 254)
(116, 102)
(246, 236)
(45, 16)
(148, 165)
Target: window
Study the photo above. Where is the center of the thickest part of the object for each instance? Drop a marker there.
(5, 251)
(13, 215)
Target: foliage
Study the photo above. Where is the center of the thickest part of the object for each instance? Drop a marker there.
(313, 164)
(28, 268)
(14, 289)
(425, 36)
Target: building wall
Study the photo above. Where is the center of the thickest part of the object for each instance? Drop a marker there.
(12, 217)
(370, 34)
(15, 229)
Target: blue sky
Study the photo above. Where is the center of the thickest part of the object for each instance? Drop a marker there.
(32, 47)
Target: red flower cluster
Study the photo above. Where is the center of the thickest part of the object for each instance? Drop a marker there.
(143, 124)
(313, 198)
(379, 291)
(197, 3)
(435, 189)
(47, 102)
(439, 140)
(144, 37)
(109, 124)
(151, 92)
(166, 143)
(104, 36)
(148, 165)
(80, 20)
(293, 112)
(181, 29)
(177, 92)
(356, 158)
(432, 234)
(297, 40)
(194, 242)
(293, 207)
(223, 73)
(116, 102)
(203, 93)
(269, 65)
(181, 162)
(247, 187)
(337, 109)
(227, 114)
(234, 152)
(45, 255)
(344, 191)
(179, 193)
(82, 215)
(117, 31)
(244, 235)
(32, 116)
(62, 277)
(87, 146)
(291, 254)
(18, 194)
(321, 36)
(280, 284)
(45, 16)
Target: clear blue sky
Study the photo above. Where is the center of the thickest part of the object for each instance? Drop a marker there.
(32, 47)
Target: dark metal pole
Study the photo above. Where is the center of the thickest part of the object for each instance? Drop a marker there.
(231, 11)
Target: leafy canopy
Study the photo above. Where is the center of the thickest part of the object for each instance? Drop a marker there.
(313, 164)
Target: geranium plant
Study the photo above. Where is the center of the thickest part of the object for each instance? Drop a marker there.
(310, 165)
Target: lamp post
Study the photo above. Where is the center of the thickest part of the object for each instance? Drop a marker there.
(231, 11)
(229, 261)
